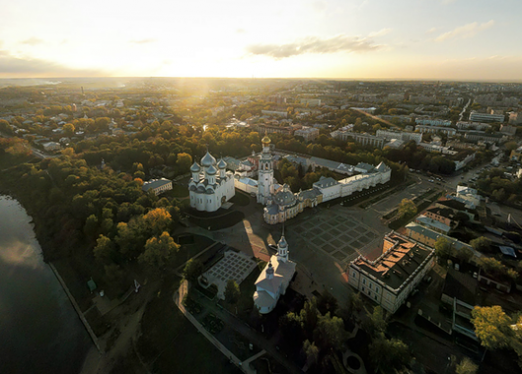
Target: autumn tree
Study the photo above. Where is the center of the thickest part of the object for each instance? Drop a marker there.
(481, 244)
(159, 251)
(184, 161)
(330, 331)
(157, 220)
(407, 208)
(492, 326)
(466, 366)
(375, 324)
(388, 355)
(68, 129)
(104, 250)
(311, 351)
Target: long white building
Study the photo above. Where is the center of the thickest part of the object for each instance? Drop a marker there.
(211, 185)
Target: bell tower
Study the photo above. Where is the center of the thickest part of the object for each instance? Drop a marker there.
(265, 177)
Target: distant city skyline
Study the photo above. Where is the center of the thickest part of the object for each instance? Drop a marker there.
(338, 39)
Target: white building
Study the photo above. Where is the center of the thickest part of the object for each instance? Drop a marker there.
(274, 279)
(310, 102)
(436, 129)
(404, 136)
(432, 122)
(265, 180)
(391, 278)
(484, 117)
(157, 185)
(211, 185)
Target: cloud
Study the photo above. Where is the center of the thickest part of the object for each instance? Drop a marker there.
(14, 66)
(144, 41)
(381, 32)
(240, 31)
(446, 2)
(466, 31)
(32, 41)
(431, 31)
(312, 44)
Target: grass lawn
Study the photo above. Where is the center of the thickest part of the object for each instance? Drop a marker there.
(171, 344)
(240, 198)
(187, 251)
(177, 191)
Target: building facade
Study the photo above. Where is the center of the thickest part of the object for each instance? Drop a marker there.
(436, 129)
(390, 279)
(157, 185)
(211, 185)
(265, 174)
(404, 136)
(484, 117)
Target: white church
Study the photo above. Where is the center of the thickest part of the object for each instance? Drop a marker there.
(282, 204)
(211, 185)
(274, 279)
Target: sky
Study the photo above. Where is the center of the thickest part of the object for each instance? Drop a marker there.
(343, 39)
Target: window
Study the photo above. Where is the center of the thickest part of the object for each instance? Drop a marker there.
(364, 280)
(376, 290)
(362, 289)
(370, 293)
(370, 286)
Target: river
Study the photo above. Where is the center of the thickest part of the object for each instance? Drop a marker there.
(40, 331)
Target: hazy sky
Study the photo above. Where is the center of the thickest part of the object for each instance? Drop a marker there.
(404, 39)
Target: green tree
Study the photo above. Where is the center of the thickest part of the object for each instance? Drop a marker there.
(159, 251)
(407, 208)
(309, 315)
(466, 366)
(388, 355)
(104, 250)
(375, 324)
(193, 269)
(442, 249)
(91, 226)
(232, 292)
(464, 254)
(330, 331)
(481, 244)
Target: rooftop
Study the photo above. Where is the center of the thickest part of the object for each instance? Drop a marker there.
(400, 261)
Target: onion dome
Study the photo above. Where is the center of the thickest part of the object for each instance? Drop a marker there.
(282, 242)
(208, 160)
(209, 191)
(211, 170)
(195, 167)
(222, 164)
(270, 270)
(266, 140)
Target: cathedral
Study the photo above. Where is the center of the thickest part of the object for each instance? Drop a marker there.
(211, 185)
(274, 279)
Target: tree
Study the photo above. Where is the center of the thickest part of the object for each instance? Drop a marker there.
(159, 251)
(193, 269)
(375, 324)
(91, 226)
(464, 254)
(68, 129)
(442, 249)
(232, 292)
(184, 162)
(157, 220)
(309, 316)
(466, 366)
(311, 351)
(104, 250)
(492, 326)
(388, 355)
(480, 244)
(330, 331)
(407, 208)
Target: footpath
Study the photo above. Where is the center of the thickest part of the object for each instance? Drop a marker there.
(237, 325)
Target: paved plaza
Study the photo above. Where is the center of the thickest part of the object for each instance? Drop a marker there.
(234, 265)
(337, 234)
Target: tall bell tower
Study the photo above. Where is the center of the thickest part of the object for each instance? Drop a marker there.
(265, 179)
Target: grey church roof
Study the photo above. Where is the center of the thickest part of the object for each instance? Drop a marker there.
(208, 160)
(195, 167)
(324, 182)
